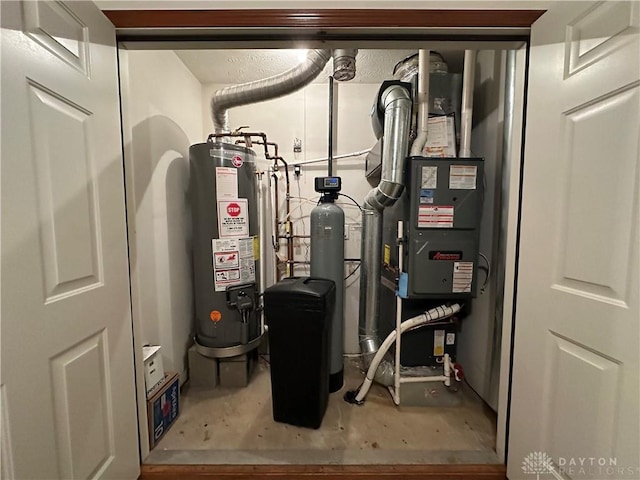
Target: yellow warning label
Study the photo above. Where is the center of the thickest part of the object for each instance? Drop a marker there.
(438, 343)
(387, 254)
(256, 248)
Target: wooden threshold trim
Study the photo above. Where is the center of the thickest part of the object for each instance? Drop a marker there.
(319, 19)
(326, 472)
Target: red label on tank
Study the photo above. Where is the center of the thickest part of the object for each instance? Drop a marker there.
(233, 209)
(237, 161)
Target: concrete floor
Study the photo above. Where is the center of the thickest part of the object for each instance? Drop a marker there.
(235, 426)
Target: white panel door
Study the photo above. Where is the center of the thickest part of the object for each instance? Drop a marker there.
(67, 384)
(575, 400)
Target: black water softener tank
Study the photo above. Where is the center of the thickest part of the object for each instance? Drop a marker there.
(298, 312)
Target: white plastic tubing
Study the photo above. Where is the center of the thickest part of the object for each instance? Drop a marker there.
(423, 102)
(429, 316)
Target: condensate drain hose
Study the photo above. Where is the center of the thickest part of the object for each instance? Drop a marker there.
(357, 396)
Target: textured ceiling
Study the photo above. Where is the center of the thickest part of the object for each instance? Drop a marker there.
(240, 66)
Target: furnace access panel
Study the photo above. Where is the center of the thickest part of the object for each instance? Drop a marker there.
(442, 208)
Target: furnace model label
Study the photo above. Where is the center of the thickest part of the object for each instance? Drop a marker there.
(462, 277)
(233, 262)
(435, 216)
(233, 218)
(463, 177)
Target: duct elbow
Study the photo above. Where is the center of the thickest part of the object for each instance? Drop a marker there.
(385, 373)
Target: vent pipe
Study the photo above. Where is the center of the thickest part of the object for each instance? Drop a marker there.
(266, 89)
(397, 105)
(423, 102)
(466, 115)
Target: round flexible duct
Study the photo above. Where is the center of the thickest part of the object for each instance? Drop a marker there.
(266, 89)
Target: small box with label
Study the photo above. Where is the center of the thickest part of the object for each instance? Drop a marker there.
(153, 369)
(163, 407)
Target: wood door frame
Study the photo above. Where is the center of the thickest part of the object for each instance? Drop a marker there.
(326, 472)
(320, 19)
(129, 24)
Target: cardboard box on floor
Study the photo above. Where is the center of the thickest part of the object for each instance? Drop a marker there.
(163, 407)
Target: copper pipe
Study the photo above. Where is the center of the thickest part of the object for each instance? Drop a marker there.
(288, 224)
(272, 144)
(276, 231)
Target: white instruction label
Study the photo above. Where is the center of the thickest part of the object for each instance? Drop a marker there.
(226, 183)
(233, 218)
(437, 132)
(233, 262)
(435, 216)
(462, 277)
(429, 177)
(441, 137)
(451, 338)
(463, 177)
(438, 343)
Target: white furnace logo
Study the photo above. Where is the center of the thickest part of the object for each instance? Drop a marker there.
(538, 463)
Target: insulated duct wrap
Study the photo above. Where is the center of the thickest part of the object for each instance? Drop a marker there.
(397, 105)
(266, 89)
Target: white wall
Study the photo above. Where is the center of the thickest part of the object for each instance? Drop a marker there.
(479, 345)
(162, 118)
(304, 115)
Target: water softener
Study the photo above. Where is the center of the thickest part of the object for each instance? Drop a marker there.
(327, 261)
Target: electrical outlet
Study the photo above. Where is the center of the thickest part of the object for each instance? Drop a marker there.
(346, 232)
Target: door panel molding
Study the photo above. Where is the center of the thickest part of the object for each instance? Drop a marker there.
(54, 26)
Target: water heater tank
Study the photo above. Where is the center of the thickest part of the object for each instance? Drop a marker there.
(225, 248)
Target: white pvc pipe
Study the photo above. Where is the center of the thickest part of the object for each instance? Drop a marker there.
(262, 262)
(437, 313)
(446, 377)
(396, 376)
(335, 157)
(466, 116)
(423, 102)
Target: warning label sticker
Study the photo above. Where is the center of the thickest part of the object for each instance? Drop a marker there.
(463, 177)
(233, 262)
(226, 260)
(462, 277)
(226, 183)
(435, 216)
(233, 218)
(429, 177)
(438, 343)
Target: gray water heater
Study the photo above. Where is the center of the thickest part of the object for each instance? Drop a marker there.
(225, 248)
(327, 261)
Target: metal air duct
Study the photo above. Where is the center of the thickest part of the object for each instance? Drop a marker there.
(266, 89)
(396, 103)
